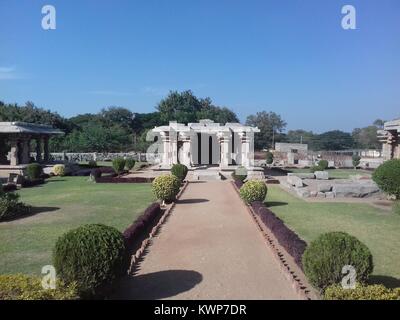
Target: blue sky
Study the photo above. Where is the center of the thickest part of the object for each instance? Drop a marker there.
(287, 56)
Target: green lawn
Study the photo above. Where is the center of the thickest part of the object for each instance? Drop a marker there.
(336, 173)
(379, 230)
(62, 204)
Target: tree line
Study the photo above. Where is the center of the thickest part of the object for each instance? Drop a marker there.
(115, 129)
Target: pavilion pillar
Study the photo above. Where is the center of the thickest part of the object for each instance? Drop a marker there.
(38, 150)
(185, 149)
(225, 150)
(14, 161)
(245, 149)
(166, 157)
(46, 154)
(25, 152)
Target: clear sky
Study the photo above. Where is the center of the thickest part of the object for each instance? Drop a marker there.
(288, 56)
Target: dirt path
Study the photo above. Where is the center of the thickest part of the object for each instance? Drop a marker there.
(208, 249)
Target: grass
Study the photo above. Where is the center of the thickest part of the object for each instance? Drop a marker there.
(62, 204)
(336, 173)
(378, 229)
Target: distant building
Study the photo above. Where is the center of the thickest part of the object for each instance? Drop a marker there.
(291, 153)
(390, 138)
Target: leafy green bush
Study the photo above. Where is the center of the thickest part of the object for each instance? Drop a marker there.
(93, 256)
(34, 171)
(118, 165)
(269, 157)
(239, 174)
(315, 168)
(92, 163)
(396, 207)
(59, 170)
(360, 292)
(166, 187)
(24, 287)
(180, 171)
(11, 207)
(325, 257)
(253, 190)
(356, 160)
(129, 163)
(323, 164)
(387, 177)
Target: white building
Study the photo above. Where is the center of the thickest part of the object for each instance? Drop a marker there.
(206, 143)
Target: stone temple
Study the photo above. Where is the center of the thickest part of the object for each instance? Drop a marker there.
(390, 138)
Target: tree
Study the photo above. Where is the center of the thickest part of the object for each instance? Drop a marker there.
(118, 115)
(271, 125)
(379, 123)
(333, 140)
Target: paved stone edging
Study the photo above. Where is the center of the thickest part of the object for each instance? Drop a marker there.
(279, 254)
(138, 255)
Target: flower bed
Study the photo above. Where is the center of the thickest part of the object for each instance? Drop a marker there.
(287, 238)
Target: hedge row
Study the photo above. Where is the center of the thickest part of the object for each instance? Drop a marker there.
(112, 179)
(287, 238)
(139, 230)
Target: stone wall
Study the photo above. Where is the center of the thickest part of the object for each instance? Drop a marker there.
(96, 156)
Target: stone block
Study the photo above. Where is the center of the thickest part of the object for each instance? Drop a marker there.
(355, 189)
(329, 195)
(324, 187)
(295, 181)
(321, 175)
(321, 195)
(303, 192)
(302, 175)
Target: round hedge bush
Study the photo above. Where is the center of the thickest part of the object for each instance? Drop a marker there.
(323, 164)
(59, 170)
(166, 187)
(269, 157)
(34, 171)
(93, 256)
(387, 177)
(180, 171)
(253, 190)
(325, 257)
(129, 163)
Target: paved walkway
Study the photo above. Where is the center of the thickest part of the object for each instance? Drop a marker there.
(209, 248)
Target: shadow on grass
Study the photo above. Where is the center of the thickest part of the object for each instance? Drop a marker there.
(270, 204)
(156, 285)
(389, 282)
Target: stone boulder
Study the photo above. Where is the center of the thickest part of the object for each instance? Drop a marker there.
(324, 187)
(321, 175)
(355, 190)
(295, 181)
(303, 192)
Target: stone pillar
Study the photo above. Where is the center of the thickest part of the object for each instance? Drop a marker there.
(185, 149)
(25, 154)
(165, 158)
(224, 142)
(245, 139)
(38, 150)
(14, 161)
(46, 154)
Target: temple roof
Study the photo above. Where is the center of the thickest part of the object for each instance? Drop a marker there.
(30, 128)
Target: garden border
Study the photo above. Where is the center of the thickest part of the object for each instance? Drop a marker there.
(285, 261)
(139, 254)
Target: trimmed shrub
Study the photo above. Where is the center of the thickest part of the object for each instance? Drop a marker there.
(129, 163)
(360, 292)
(34, 171)
(356, 160)
(269, 157)
(387, 177)
(253, 190)
(24, 287)
(285, 236)
(396, 207)
(92, 164)
(93, 256)
(11, 207)
(323, 164)
(166, 187)
(118, 165)
(325, 257)
(59, 170)
(180, 171)
(315, 168)
(240, 174)
(8, 187)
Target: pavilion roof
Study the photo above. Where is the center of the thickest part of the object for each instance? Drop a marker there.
(30, 128)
